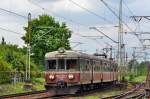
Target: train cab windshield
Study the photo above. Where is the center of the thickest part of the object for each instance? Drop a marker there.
(51, 64)
(62, 64)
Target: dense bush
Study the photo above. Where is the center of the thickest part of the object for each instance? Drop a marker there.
(5, 70)
(13, 59)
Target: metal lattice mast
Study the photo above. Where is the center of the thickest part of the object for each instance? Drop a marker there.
(120, 40)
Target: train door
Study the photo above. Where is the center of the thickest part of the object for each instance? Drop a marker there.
(88, 71)
(85, 71)
(82, 70)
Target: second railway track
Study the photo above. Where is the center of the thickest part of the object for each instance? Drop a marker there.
(135, 93)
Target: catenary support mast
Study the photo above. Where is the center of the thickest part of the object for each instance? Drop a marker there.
(121, 45)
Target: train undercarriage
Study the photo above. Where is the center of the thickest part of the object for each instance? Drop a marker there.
(75, 89)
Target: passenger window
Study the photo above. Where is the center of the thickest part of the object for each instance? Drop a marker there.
(97, 66)
(71, 64)
(51, 64)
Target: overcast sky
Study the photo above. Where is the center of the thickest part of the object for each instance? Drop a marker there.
(78, 20)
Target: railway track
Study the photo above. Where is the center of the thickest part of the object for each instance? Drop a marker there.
(138, 96)
(135, 93)
(46, 94)
(28, 95)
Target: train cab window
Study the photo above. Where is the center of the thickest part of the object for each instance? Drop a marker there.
(61, 64)
(51, 64)
(71, 64)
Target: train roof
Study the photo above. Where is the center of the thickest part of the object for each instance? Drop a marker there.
(66, 54)
(71, 54)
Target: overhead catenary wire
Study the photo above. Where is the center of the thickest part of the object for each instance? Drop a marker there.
(115, 13)
(124, 15)
(1, 28)
(58, 15)
(86, 37)
(14, 13)
(91, 12)
(128, 7)
(94, 39)
(118, 16)
(129, 10)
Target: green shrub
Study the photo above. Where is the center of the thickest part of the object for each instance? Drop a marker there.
(5, 68)
(131, 76)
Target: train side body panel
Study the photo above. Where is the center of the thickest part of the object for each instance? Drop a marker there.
(71, 70)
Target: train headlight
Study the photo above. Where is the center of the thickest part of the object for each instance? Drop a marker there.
(51, 77)
(71, 76)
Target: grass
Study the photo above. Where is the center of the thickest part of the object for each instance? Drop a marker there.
(6, 89)
(139, 79)
(136, 79)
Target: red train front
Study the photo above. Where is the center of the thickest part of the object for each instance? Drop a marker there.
(69, 71)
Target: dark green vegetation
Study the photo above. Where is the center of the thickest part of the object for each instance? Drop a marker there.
(46, 35)
(137, 72)
(12, 59)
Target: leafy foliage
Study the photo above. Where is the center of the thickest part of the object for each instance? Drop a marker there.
(142, 68)
(12, 59)
(132, 66)
(137, 70)
(15, 56)
(5, 68)
(46, 35)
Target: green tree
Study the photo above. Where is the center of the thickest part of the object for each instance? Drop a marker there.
(46, 35)
(132, 66)
(142, 68)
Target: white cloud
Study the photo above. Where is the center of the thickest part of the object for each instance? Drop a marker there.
(67, 5)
